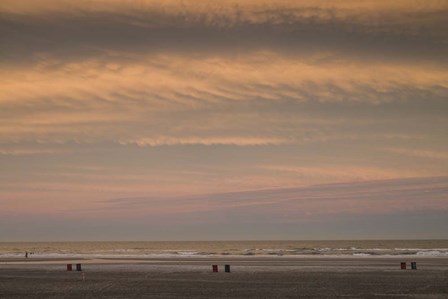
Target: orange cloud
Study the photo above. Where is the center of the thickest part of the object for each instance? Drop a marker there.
(430, 154)
(240, 141)
(251, 10)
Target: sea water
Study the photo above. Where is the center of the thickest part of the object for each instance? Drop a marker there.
(141, 249)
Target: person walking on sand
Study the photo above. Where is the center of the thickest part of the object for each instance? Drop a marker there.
(26, 254)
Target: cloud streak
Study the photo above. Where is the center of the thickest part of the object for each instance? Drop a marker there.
(239, 141)
(401, 31)
(95, 94)
(367, 197)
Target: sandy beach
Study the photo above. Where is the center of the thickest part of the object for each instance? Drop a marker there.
(250, 277)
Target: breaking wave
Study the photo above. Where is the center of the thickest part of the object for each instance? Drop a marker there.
(198, 249)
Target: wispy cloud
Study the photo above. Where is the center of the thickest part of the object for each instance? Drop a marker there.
(339, 173)
(238, 141)
(32, 152)
(420, 153)
(91, 98)
(211, 25)
(384, 196)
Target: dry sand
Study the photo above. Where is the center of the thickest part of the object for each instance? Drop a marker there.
(251, 277)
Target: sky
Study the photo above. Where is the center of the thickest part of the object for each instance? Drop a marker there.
(214, 120)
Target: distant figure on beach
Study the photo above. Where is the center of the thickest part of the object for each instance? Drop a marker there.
(26, 254)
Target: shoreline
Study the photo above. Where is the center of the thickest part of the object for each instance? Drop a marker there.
(388, 263)
(220, 257)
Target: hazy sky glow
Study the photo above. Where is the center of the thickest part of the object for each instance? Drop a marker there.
(156, 120)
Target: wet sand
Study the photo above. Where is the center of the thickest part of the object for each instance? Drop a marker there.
(251, 277)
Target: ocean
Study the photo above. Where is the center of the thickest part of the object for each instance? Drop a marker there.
(141, 249)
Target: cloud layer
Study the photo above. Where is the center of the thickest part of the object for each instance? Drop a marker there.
(106, 99)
